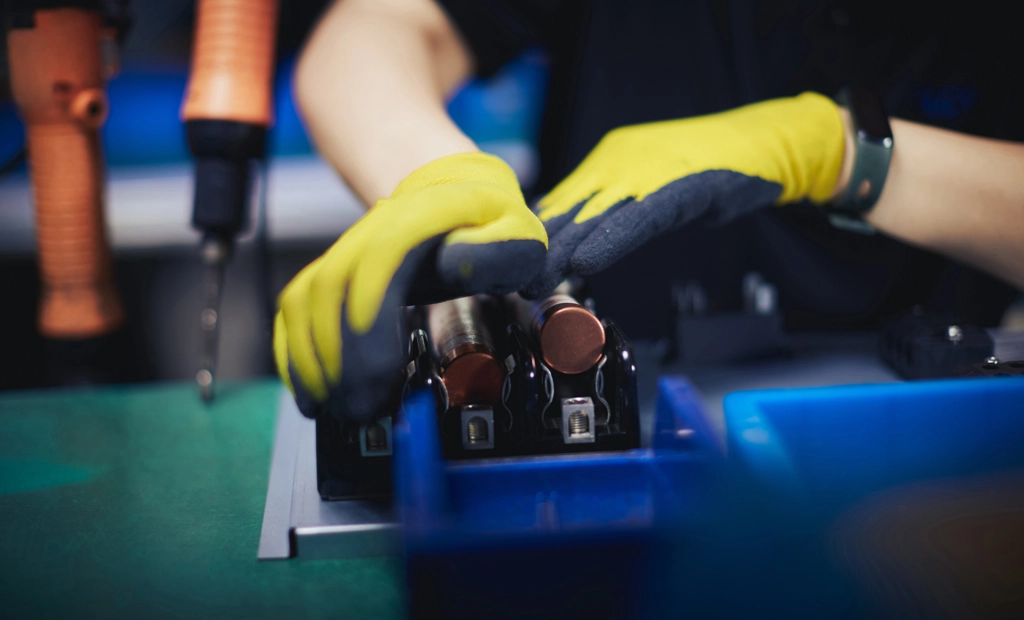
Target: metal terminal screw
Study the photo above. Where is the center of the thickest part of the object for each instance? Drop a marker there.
(376, 438)
(579, 423)
(476, 430)
(993, 360)
(954, 333)
(477, 427)
(578, 420)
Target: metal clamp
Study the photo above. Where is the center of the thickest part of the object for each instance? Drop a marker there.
(477, 427)
(599, 390)
(578, 420)
(375, 438)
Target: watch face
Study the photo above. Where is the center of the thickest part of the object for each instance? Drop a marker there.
(872, 121)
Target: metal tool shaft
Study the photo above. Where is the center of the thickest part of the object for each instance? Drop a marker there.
(215, 253)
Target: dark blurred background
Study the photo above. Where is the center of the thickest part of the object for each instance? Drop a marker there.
(303, 205)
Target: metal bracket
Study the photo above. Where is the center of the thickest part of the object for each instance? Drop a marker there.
(578, 420)
(375, 438)
(477, 427)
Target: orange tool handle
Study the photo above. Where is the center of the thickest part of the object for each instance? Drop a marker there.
(57, 81)
(232, 62)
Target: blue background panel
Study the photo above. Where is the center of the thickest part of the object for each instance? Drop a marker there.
(144, 127)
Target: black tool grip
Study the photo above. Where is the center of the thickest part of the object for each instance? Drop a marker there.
(224, 152)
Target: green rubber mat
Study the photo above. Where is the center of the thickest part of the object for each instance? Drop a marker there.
(139, 501)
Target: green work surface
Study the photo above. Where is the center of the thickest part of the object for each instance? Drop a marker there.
(140, 501)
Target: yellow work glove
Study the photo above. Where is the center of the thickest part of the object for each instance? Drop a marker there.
(643, 180)
(457, 226)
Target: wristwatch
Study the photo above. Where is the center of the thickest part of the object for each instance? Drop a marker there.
(872, 153)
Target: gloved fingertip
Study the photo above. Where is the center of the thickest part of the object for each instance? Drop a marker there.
(307, 405)
(495, 268)
(588, 263)
(369, 398)
(554, 223)
(360, 409)
(542, 285)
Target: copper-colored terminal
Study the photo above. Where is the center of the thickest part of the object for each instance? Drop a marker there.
(473, 378)
(570, 337)
(470, 368)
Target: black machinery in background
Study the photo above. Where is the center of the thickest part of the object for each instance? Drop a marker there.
(928, 345)
(918, 344)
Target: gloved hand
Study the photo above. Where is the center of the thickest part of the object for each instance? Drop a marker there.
(644, 180)
(460, 221)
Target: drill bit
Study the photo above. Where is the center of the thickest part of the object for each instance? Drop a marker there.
(215, 252)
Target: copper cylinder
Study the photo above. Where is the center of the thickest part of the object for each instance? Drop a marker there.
(570, 337)
(470, 369)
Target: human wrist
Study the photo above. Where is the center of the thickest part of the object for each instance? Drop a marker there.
(421, 148)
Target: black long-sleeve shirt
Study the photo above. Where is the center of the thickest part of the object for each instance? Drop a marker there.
(619, 62)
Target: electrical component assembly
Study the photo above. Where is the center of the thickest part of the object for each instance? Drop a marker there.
(509, 378)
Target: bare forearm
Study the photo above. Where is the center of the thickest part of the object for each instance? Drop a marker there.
(371, 87)
(957, 195)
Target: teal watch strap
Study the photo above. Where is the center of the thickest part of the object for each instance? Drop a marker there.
(873, 146)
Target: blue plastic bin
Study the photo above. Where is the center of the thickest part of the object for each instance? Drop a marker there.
(853, 501)
(545, 536)
(873, 500)
(822, 446)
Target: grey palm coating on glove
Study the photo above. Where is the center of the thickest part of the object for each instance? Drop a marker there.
(711, 197)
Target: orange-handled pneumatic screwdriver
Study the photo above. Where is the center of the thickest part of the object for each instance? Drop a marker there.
(58, 77)
(227, 111)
